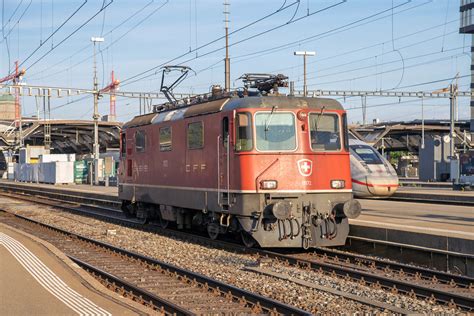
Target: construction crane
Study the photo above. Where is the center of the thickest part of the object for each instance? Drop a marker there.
(111, 88)
(16, 78)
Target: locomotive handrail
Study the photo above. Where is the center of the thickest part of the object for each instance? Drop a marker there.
(219, 200)
(218, 171)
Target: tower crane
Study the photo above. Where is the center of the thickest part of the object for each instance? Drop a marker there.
(111, 88)
(16, 78)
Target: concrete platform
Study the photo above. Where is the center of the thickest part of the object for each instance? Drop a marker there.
(423, 184)
(434, 194)
(436, 219)
(35, 281)
(438, 226)
(81, 190)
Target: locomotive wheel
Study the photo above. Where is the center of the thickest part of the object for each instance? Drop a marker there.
(247, 239)
(164, 223)
(125, 209)
(213, 230)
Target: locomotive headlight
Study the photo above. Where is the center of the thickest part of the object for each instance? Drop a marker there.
(268, 184)
(338, 184)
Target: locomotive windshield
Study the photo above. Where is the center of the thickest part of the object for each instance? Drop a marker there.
(366, 154)
(275, 131)
(325, 134)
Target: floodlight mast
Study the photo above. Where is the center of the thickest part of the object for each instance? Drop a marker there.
(96, 115)
(304, 54)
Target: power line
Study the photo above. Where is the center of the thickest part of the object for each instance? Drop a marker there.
(71, 34)
(87, 46)
(52, 33)
(11, 16)
(13, 27)
(325, 33)
(319, 60)
(281, 9)
(130, 79)
(372, 66)
(387, 71)
(332, 32)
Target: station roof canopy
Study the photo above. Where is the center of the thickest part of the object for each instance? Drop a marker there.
(406, 136)
(67, 136)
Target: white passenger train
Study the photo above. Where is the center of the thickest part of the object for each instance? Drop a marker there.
(372, 175)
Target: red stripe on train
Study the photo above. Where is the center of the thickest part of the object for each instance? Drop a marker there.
(375, 185)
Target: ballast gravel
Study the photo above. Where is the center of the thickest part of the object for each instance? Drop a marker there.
(229, 267)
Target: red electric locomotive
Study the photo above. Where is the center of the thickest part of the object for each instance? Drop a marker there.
(272, 168)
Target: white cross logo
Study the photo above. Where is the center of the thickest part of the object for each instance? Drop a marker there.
(305, 167)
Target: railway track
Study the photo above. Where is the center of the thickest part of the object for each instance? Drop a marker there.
(432, 285)
(156, 284)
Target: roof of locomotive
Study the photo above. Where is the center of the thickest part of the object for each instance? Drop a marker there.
(233, 103)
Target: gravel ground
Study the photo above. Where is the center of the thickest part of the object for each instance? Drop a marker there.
(227, 266)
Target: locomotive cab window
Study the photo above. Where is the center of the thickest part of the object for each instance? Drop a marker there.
(140, 141)
(195, 135)
(324, 131)
(165, 138)
(275, 131)
(367, 154)
(243, 132)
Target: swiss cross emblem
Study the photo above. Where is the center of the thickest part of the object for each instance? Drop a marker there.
(305, 167)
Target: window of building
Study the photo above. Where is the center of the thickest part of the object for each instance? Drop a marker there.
(243, 131)
(140, 141)
(324, 130)
(195, 135)
(165, 138)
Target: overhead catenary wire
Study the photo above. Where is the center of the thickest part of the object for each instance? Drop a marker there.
(345, 53)
(85, 47)
(381, 64)
(317, 36)
(129, 79)
(70, 35)
(387, 71)
(11, 16)
(5, 36)
(54, 32)
(281, 9)
(327, 33)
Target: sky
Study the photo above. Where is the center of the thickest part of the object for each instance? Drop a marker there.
(369, 45)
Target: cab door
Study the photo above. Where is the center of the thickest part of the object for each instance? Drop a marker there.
(224, 162)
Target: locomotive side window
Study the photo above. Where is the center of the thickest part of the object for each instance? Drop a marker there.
(195, 135)
(243, 131)
(225, 131)
(324, 130)
(140, 141)
(275, 131)
(123, 144)
(165, 138)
